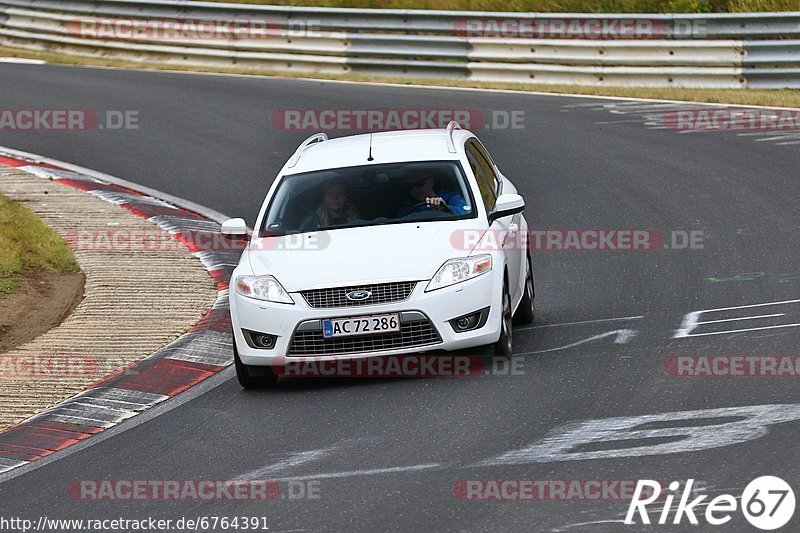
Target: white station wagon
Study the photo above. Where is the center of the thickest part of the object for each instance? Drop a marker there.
(380, 244)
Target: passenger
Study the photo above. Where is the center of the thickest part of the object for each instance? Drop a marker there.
(336, 208)
(422, 196)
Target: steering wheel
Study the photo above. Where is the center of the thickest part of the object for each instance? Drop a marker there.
(434, 207)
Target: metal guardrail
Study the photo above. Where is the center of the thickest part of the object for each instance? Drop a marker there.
(731, 51)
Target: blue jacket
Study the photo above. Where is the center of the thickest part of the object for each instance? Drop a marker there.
(455, 204)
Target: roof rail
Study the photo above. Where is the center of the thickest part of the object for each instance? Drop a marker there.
(314, 139)
(452, 126)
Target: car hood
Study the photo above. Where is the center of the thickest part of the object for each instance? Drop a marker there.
(356, 256)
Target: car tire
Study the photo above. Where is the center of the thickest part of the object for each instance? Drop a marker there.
(525, 311)
(504, 345)
(253, 377)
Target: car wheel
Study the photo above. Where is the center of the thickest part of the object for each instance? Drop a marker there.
(526, 311)
(504, 345)
(250, 376)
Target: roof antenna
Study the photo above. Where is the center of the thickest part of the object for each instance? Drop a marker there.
(369, 157)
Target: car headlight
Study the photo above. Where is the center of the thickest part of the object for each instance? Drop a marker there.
(457, 270)
(262, 288)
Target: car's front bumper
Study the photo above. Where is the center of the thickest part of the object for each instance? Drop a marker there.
(438, 307)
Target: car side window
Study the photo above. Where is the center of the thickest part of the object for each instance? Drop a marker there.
(484, 173)
(490, 164)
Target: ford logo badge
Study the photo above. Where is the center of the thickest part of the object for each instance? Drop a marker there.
(357, 296)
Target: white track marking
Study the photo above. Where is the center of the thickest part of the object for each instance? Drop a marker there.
(599, 320)
(691, 320)
(370, 472)
(22, 61)
(742, 318)
(295, 459)
(731, 332)
(562, 444)
(582, 524)
(654, 116)
(778, 137)
(622, 336)
(750, 306)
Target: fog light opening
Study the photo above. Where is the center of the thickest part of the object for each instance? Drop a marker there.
(471, 321)
(263, 341)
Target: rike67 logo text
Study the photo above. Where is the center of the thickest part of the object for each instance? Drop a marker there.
(767, 503)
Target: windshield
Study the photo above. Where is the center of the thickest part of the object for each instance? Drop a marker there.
(369, 195)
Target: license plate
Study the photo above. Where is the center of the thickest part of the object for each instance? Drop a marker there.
(361, 325)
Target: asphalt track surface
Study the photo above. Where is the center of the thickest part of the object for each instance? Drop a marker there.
(387, 453)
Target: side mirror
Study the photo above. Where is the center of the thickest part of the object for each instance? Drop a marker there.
(234, 227)
(507, 205)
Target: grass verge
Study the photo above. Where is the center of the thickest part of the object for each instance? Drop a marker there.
(28, 244)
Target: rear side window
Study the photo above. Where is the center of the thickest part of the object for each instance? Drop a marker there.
(484, 173)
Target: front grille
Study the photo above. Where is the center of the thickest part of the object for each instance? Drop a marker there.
(337, 297)
(412, 334)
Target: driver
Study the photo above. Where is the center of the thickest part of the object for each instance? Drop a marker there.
(422, 196)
